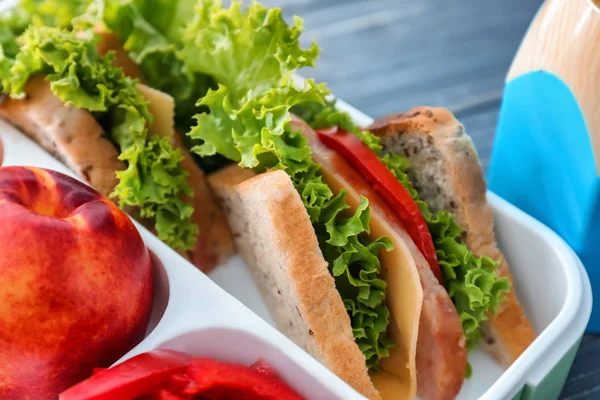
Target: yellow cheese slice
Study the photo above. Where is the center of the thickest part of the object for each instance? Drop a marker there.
(398, 378)
(390, 386)
(162, 108)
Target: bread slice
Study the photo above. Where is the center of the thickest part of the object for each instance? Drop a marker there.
(445, 170)
(214, 244)
(274, 235)
(68, 133)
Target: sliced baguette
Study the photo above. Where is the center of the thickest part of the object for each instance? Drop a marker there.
(274, 235)
(445, 170)
(420, 307)
(70, 134)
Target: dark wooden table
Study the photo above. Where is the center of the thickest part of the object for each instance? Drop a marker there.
(384, 56)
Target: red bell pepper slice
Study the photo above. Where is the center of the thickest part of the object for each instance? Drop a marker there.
(364, 161)
(178, 382)
(96, 371)
(218, 380)
(140, 375)
(264, 368)
(163, 394)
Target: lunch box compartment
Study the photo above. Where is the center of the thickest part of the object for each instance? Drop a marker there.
(541, 261)
(236, 345)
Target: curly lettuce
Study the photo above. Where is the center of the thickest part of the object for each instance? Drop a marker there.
(471, 281)
(251, 54)
(150, 32)
(12, 24)
(55, 13)
(153, 180)
(325, 115)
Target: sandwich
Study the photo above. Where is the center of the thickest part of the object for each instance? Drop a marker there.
(431, 155)
(62, 90)
(436, 146)
(438, 323)
(373, 247)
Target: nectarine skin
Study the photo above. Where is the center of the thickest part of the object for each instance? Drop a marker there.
(76, 283)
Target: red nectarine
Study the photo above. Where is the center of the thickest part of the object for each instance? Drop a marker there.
(76, 283)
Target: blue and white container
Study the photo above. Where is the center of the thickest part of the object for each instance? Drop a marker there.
(546, 157)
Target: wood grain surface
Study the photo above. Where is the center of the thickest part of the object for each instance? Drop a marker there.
(384, 56)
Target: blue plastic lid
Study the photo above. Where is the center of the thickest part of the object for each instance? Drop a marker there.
(543, 163)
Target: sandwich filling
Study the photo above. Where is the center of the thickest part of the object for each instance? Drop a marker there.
(150, 34)
(153, 179)
(470, 281)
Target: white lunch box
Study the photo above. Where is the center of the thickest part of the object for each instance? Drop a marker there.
(200, 315)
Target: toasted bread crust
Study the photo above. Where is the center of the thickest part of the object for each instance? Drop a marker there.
(215, 243)
(70, 134)
(509, 333)
(274, 235)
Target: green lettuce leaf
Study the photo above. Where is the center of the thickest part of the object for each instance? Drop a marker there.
(151, 34)
(248, 52)
(251, 54)
(54, 13)
(325, 115)
(168, 17)
(12, 24)
(150, 31)
(153, 180)
(471, 281)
